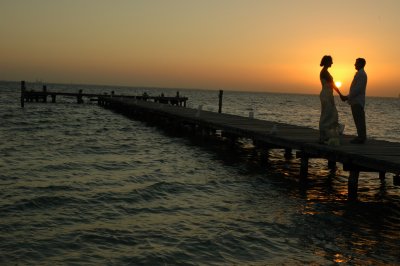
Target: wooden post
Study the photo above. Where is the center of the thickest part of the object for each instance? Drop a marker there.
(53, 98)
(331, 165)
(44, 93)
(304, 166)
(396, 180)
(352, 186)
(79, 97)
(232, 141)
(23, 89)
(221, 92)
(382, 176)
(264, 157)
(288, 153)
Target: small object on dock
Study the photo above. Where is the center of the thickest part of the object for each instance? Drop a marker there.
(251, 113)
(333, 141)
(274, 130)
(199, 109)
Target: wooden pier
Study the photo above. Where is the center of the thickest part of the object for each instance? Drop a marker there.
(44, 94)
(374, 156)
(377, 156)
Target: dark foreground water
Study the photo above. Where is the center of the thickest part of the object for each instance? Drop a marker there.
(81, 185)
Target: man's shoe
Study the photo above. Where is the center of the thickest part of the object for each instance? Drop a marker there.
(357, 141)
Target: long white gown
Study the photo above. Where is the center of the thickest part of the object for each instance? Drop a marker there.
(328, 122)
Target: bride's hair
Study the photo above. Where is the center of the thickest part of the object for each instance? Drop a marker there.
(326, 60)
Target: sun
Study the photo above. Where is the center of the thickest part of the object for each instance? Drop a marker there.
(338, 84)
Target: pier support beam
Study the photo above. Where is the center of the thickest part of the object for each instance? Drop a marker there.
(79, 97)
(264, 156)
(352, 186)
(44, 94)
(288, 154)
(396, 180)
(382, 176)
(304, 166)
(331, 165)
(23, 89)
(221, 92)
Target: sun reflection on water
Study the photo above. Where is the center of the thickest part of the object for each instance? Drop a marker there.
(339, 258)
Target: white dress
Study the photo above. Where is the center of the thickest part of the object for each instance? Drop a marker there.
(328, 122)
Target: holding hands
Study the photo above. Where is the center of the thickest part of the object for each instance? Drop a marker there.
(342, 97)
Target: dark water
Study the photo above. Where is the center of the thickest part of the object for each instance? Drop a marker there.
(83, 185)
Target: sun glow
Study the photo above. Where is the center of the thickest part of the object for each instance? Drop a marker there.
(338, 84)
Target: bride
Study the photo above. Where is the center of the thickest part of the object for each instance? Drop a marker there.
(328, 123)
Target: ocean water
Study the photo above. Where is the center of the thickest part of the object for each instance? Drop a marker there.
(82, 185)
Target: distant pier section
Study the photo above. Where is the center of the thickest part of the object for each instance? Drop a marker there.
(44, 96)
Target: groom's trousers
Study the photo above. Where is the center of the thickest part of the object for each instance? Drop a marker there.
(359, 119)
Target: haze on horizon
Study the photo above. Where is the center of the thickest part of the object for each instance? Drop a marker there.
(256, 45)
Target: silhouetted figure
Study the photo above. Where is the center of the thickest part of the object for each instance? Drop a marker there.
(356, 99)
(328, 123)
(145, 96)
(175, 101)
(79, 97)
(162, 99)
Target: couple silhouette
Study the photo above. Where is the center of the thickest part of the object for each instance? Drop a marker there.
(329, 126)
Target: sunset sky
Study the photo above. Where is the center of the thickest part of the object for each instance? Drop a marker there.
(255, 45)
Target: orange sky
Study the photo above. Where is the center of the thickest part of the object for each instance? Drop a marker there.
(256, 45)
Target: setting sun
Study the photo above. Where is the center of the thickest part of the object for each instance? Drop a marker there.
(338, 84)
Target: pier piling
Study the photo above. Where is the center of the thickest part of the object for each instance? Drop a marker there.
(79, 97)
(304, 166)
(353, 185)
(221, 92)
(23, 89)
(44, 94)
(396, 180)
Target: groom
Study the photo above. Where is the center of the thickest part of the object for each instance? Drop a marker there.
(356, 99)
